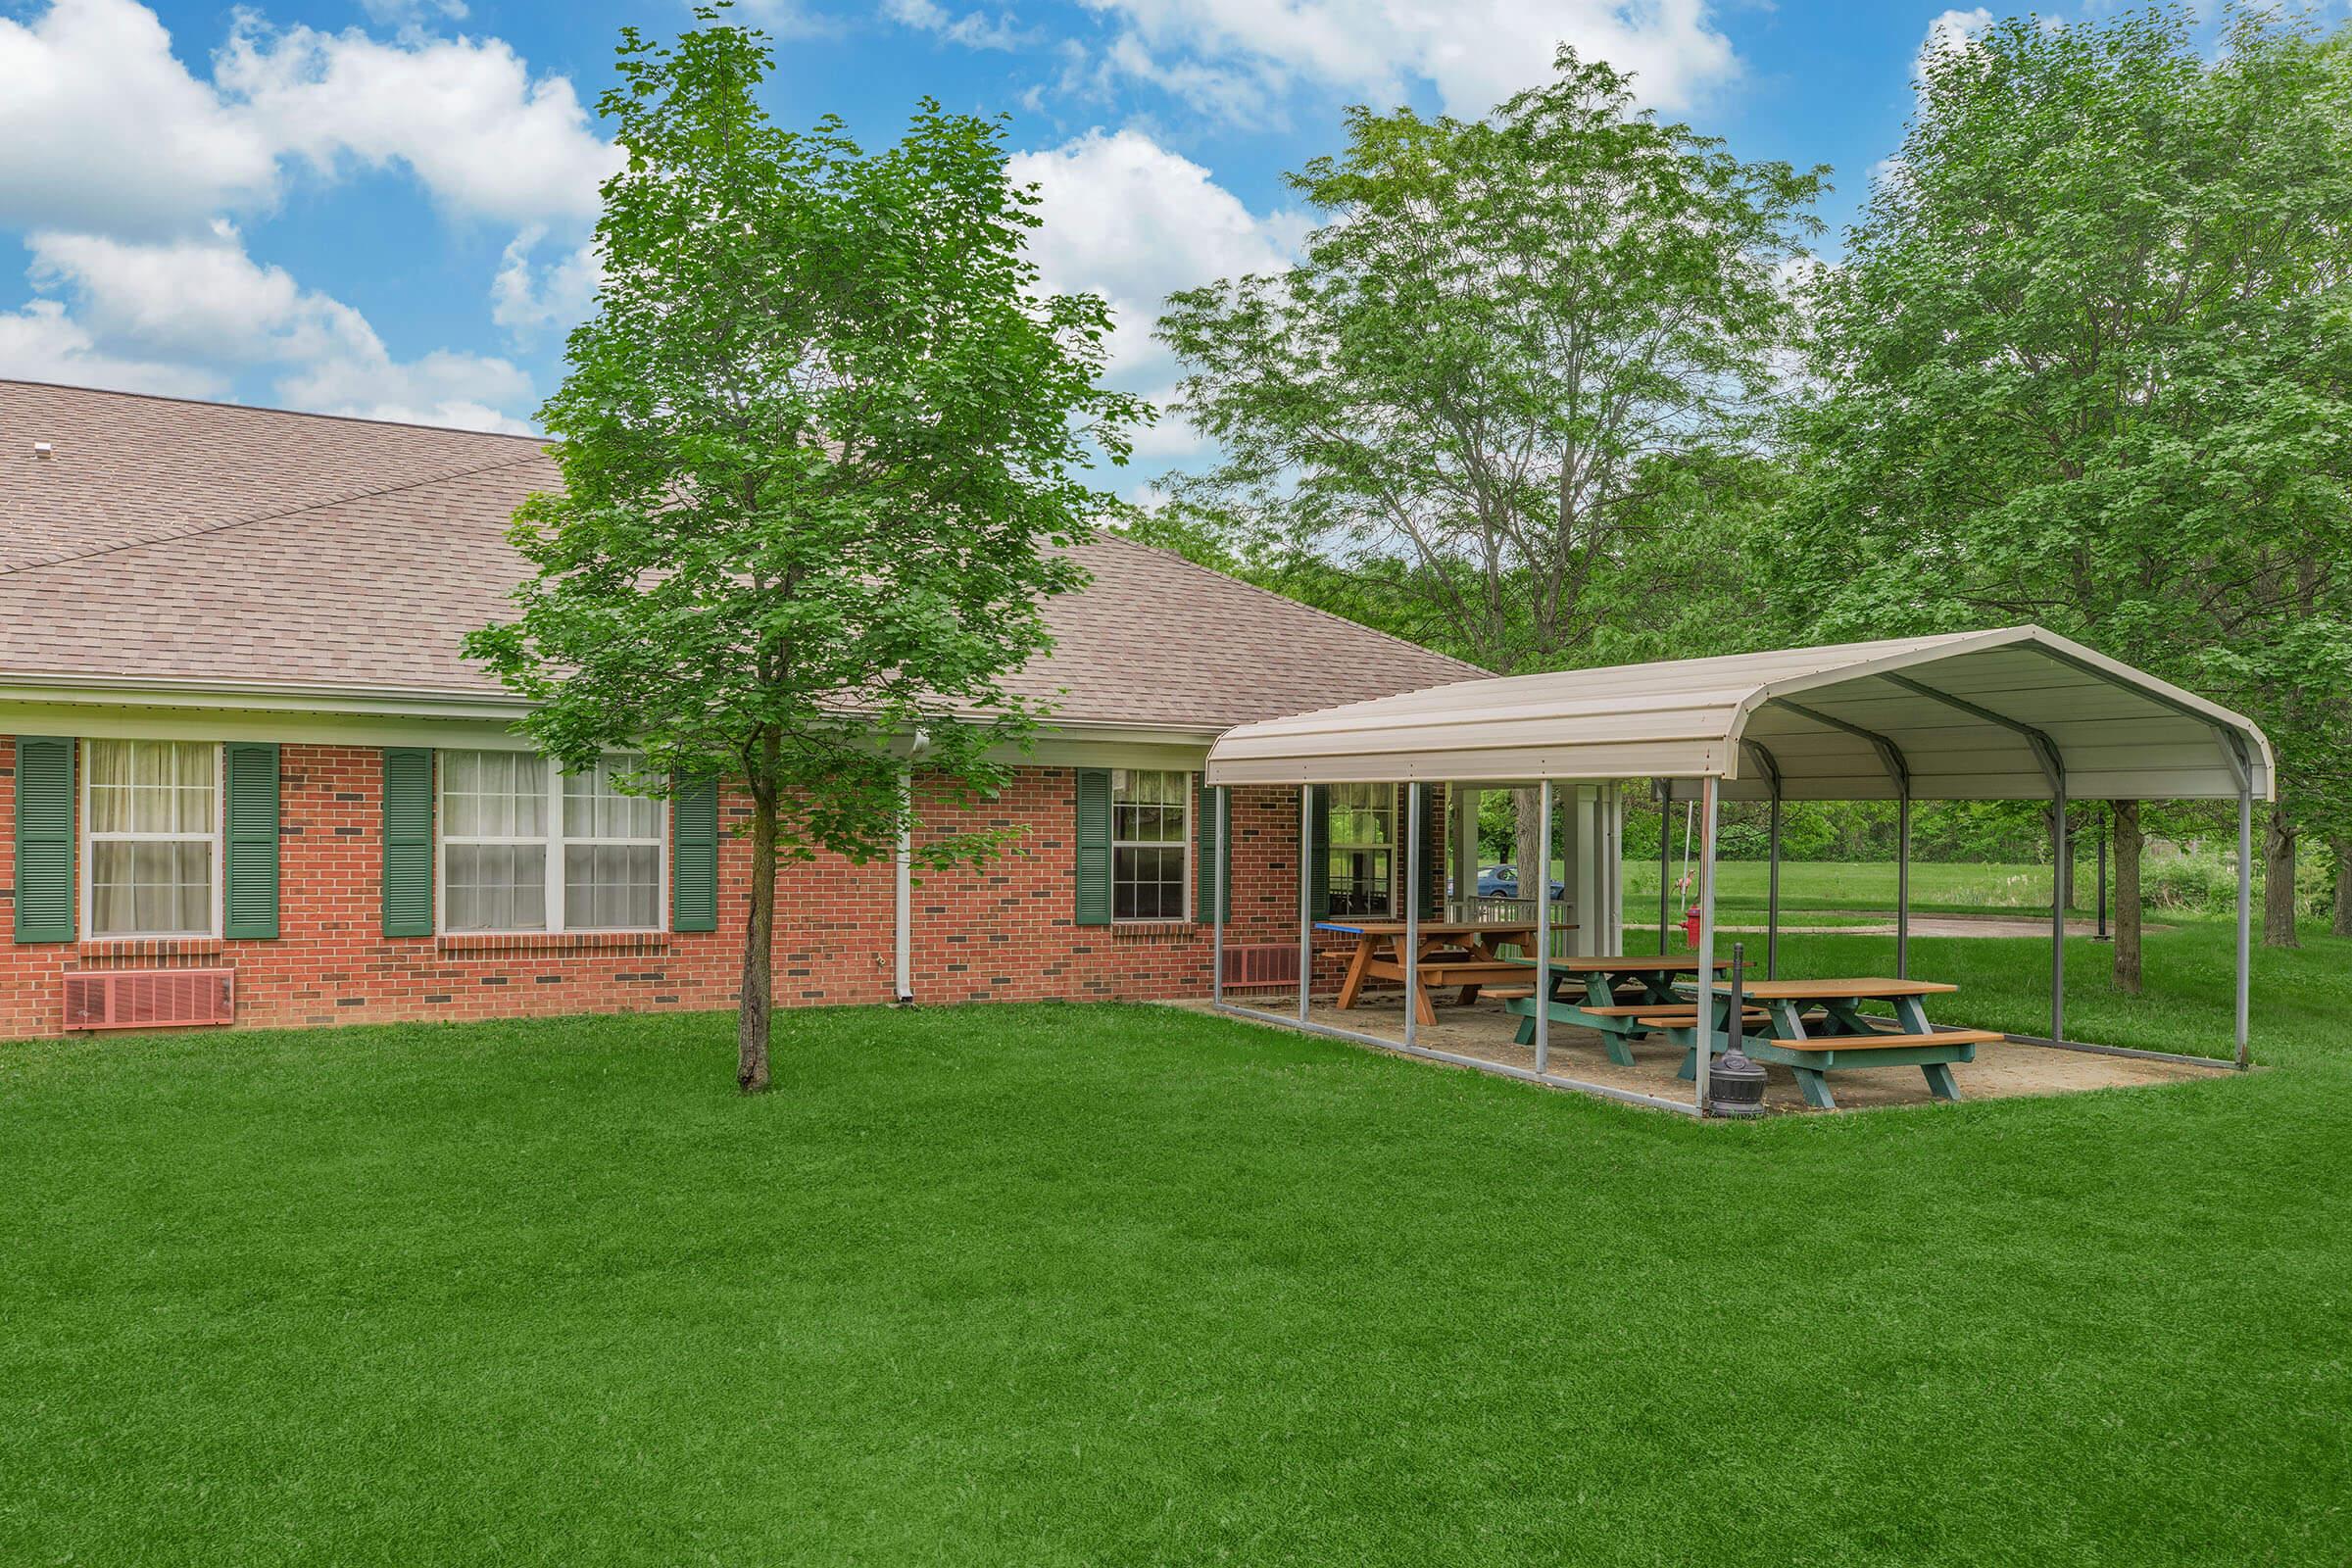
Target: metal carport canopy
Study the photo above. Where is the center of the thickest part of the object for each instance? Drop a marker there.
(2011, 713)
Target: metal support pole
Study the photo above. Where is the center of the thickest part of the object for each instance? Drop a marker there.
(1665, 859)
(1412, 908)
(1902, 886)
(1218, 857)
(1306, 894)
(1772, 898)
(2245, 903)
(1703, 1054)
(2105, 814)
(1542, 926)
(903, 897)
(2058, 912)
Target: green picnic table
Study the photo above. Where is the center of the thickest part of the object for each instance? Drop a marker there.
(1816, 1027)
(1619, 990)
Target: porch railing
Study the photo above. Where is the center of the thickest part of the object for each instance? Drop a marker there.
(1482, 910)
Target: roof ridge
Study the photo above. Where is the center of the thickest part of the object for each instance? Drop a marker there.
(259, 407)
(266, 516)
(1109, 536)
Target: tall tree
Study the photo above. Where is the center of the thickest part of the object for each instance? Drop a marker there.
(818, 444)
(2087, 365)
(1502, 351)
(1500, 336)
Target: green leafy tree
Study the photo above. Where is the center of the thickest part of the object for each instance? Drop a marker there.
(1500, 331)
(820, 443)
(1472, 389)
(2086, 364)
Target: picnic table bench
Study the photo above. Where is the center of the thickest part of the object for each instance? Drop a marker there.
(1819, 1027)
(1449, 952)
(1619, 991)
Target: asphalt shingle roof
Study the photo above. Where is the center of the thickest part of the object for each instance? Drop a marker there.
(201, 541)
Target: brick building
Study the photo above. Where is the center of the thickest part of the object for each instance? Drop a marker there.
(245, 773)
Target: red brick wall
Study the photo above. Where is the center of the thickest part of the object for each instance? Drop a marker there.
(1003, 931)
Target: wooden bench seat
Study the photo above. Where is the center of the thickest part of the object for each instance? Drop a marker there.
(1685, 1017)
(1451, 972)
(1888, 1040)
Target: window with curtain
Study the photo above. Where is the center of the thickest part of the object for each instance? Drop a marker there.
(611, 851)
(1363, 842)
(153, 824)
(525, 847)
(1150, 837)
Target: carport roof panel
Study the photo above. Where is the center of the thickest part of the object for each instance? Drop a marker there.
(1953, 711)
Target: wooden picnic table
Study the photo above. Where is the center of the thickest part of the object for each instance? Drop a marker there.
(1818, 1026)
(1618, 991)
(1448, 953)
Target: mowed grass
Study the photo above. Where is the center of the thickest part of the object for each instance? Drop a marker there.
(1937, 886)
(1127, 1284)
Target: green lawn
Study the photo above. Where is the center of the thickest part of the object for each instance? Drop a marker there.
(1936, 888)
(1125, 1285)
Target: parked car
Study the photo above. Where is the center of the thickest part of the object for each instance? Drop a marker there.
(1503, 882)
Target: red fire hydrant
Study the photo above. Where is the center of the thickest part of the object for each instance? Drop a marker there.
(1691, 926)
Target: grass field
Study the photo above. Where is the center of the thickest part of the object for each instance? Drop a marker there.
(1811, 885)
(1127, 1284)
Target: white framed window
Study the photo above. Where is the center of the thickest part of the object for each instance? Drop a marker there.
(151, 838)
(1362, 850)
(527, 847)
(1151, 844)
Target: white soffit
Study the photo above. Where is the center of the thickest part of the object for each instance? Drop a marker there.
(1970, 716)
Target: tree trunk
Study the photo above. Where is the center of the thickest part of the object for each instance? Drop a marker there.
(758, 951)
(2342, 923)
(2278, 881)
(1534, 865)
(2127, 848)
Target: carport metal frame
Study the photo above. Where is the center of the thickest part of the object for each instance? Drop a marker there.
(2230, 730)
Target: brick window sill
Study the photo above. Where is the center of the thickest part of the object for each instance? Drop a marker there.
(1150, 930)
(147, 950)
(525, 942)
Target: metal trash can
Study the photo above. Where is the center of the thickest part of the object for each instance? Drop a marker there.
(1736, 1083)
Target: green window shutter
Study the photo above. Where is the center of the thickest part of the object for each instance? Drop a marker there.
(1209, 869)
(44, 895)
(694, 856)
(408, 841)
(250, 888)
(1318, 854)
(1093, 845)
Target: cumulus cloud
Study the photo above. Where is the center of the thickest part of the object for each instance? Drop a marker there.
(1232, 55)
(527, 297)
(1949, 33)
(101, 125)
(190, 308)
(974, 29)
(1131, 220)
(465, 116)
(41, 342)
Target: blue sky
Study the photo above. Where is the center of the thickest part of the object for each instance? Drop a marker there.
(380, 208)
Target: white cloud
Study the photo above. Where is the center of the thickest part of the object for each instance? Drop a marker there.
(466, 116)
(1126, 219)
(191, 307)
(974, 29)
(41, 343)
(527, 297)
(102, 126)
(1227, 54)
(1950, 33)
(103, 129)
